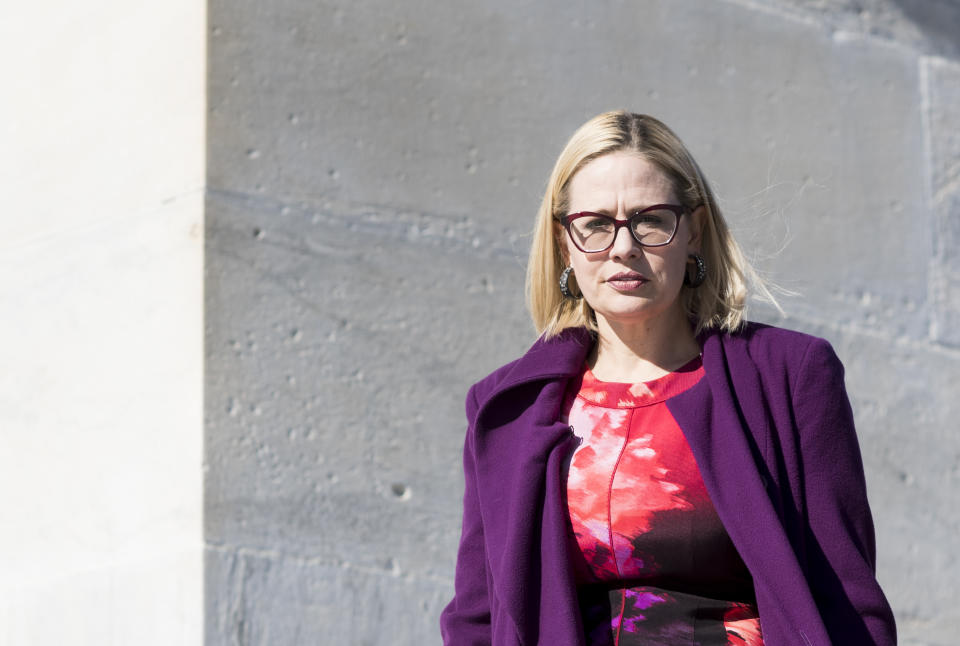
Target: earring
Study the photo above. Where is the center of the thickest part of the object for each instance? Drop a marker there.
(564, 283)
(701, 272)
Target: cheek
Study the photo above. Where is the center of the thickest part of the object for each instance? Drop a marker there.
(577, 259)
(585, 273)
(669, 268)
(675, 266)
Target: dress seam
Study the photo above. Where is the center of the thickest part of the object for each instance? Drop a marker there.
(623, 607)
(613, 476)
(613, 549)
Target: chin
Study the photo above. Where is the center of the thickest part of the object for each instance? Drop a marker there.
(630, 316)
(634, 313)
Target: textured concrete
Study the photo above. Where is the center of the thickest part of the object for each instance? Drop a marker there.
(329, 428)
(942, 87)
(333, 604)
(373, 172)
(101, 423)
(926, 26)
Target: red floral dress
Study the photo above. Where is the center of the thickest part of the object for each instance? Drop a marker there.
(653, 562)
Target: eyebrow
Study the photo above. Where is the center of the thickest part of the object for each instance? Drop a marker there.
(629, 212)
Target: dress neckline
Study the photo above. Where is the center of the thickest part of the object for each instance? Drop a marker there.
(613, 394)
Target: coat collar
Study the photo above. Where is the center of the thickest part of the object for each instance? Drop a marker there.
(559, 357)
(520, 445)
(562, 355)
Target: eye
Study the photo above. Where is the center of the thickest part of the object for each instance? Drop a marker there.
(649, 218)
(595, 223)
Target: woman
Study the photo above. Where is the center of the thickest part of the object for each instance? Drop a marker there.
(655, 469)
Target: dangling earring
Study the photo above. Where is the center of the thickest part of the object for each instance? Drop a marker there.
(697, 280)
(564, 283)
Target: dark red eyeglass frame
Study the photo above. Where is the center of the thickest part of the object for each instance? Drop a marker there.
(677, 210)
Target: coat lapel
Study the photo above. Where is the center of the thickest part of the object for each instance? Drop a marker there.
(729, 432)
(520, 449)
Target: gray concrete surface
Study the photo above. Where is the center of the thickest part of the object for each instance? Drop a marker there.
(373, 171)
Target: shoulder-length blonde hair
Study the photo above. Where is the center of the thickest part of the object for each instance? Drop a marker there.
(720, 302)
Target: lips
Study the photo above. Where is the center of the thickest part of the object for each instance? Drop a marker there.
(626, 280)
(627, 275)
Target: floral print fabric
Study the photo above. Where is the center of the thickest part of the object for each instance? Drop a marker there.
(653, 562)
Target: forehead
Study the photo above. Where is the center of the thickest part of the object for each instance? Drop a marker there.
(618, 179)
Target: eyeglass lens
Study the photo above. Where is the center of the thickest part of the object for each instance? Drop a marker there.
(650, 228)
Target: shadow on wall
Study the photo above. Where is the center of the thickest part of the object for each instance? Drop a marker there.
(939, 20)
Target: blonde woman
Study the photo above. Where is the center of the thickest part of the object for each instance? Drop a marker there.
(656, 469)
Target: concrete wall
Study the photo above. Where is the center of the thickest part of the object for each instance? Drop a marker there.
(374, 168)
(101, 180)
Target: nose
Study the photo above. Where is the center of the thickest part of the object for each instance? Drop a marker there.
(624, 246)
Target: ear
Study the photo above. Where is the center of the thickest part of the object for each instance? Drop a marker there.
(560, 235)
(697, 222)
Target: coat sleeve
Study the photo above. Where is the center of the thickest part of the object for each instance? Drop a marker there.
(466, 619)
(841, 553)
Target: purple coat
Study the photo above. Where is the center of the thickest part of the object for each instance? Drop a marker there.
(772, 432)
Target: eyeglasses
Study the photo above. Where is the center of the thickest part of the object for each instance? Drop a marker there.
(653, 226)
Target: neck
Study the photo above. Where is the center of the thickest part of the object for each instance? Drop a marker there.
(632, 352)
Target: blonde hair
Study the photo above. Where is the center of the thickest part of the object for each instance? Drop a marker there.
(720, 302)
